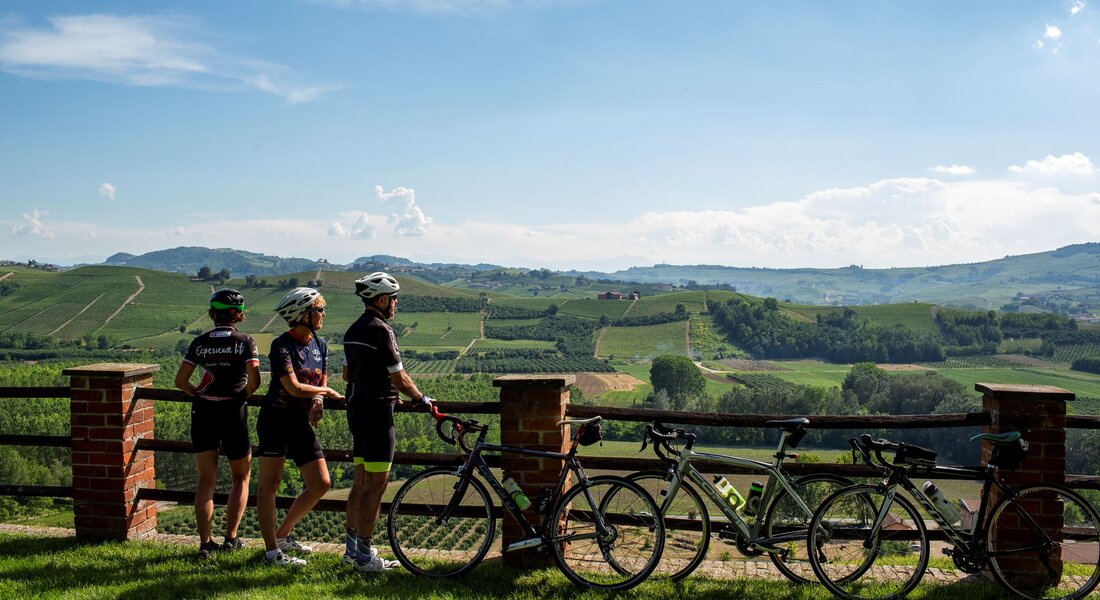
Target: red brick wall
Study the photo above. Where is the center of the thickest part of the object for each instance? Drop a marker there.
(108, 469)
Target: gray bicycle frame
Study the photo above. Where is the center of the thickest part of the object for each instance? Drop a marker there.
(685, 470)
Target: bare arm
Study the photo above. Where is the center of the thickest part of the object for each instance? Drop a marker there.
(183, 378)
(405, 385)
(253, 370)
(304, 390)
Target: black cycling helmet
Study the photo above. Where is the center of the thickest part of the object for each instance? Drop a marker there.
(227, 298)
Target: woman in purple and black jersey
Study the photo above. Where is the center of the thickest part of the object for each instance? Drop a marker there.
(229, 367)
(293, 406)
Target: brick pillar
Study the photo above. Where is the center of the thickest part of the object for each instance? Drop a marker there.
(108, 469)
(530, 408)
(1039, 413)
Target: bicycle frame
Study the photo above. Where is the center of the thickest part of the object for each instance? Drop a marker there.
(968, 543)
(777, 478)
(532, 537)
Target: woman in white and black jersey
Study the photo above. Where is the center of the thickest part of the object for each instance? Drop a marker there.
(293, 406)
(229, 365)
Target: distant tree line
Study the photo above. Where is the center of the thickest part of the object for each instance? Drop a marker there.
(841, 336)
(1090, 364)
(440, 304)
(572, 335)
(518, 312)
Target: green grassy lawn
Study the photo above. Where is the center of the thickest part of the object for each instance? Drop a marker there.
(65, 568)
(593, 308)
(1082, 384)
(694, 302)
(647, 341)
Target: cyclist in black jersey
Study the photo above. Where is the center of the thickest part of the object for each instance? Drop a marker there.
(229, 364)
(292, 408)
(375, 375)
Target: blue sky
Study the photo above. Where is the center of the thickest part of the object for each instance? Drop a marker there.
(560, 133)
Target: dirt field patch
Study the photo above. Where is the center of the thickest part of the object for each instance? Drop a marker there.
(901, 367)
(595, 384)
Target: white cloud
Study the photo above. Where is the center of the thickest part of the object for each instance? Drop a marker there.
(1039, 44)
(1077, 6)
(1052, 32)
(905, 221)
(954, 169)
(33, 225)
(1066, 164)
(409, 219)
(87, 237)
(107, 190)
(360, 229)
(140, 50)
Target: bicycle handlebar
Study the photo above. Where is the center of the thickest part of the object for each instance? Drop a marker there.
(459, 428)
(663, 437)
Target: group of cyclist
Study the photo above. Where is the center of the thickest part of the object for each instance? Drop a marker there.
(228, 361)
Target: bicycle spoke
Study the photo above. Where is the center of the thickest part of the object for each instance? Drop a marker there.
(1044, 543)
(854, 563)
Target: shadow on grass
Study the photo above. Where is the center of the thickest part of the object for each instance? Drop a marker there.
(63, 567)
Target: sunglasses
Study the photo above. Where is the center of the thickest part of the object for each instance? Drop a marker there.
(320, 310)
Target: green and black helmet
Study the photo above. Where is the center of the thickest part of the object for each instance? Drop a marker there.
(227, 298)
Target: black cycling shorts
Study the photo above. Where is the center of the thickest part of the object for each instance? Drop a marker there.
(220, 424)
(372, 434)
(284, 432)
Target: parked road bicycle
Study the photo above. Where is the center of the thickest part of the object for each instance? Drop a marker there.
(1039, 541)
(777, 526)
(604, 532)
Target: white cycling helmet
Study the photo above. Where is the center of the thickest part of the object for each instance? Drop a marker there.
(376, 284)
(296, 302)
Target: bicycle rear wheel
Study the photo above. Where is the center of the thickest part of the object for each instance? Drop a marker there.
(785, 516)
(1043, 543)
(687, 524)
(427, 544)
(855, 565)
(621, 554)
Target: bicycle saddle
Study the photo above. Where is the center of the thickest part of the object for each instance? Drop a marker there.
(998, 438)
(789, 425)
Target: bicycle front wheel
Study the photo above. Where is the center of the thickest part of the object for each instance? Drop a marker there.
(1043, 543)
(856, 565)
(617, 554)
(424, 541)
(786, 520)
(687, 524)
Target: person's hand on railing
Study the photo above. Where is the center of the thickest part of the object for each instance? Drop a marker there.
(316, 410)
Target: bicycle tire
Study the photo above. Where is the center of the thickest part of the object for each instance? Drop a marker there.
(785, 514)
(1073, 534)
(622, 557)
(427, 547)
(685, 548)
(843, 562)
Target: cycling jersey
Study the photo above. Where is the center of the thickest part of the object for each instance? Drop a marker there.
(283, 425)
(371, 355)
(307, 360)
(370, 350)
(222, 355)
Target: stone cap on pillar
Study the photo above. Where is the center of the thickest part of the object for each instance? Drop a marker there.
(1006, 391)
(535, 381)
(120, 370)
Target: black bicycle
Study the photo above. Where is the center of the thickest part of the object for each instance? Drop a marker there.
(1039, 540)
(604, 532)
